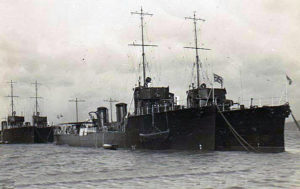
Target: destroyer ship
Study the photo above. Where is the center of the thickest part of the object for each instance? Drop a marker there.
(158, 122)
(14, 130)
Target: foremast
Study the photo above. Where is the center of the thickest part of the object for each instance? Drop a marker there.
(196, 48)
(143, 45)
(11, 96)
(36, 97)
(201, 95)
(13, 120)
(148, 99)
(37, 119)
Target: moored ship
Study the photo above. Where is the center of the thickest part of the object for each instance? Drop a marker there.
(156, 123)
(259, 129)
(14, 130)
(208, 122)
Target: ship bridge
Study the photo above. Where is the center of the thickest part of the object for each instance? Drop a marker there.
(202, 96)
(148, 98)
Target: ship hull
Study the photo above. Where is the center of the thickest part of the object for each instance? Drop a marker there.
(189, 129)
(262, 128)
(194, 129)
(92, 139)
(27, 135)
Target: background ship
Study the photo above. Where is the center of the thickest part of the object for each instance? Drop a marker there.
(14, 130)
(207, 123)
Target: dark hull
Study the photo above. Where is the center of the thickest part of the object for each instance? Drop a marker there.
(188, 129)
(28, 134)
(262, 128)
(194, 129)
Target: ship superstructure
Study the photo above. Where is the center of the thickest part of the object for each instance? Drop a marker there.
(254, 128)
(14, 130)
(157, 122)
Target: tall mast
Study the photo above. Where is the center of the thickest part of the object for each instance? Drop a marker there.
(196, 46)
(36, 97)
(142, 14)
(12, 96)
(76, 100)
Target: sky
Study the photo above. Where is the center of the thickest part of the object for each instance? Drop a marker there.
(79, 49)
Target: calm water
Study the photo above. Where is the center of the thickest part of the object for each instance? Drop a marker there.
(50, 166)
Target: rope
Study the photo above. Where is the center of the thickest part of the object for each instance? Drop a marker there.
(208, 98)
(41, 136)
(296, 122)
(236, 135)
(130, 103)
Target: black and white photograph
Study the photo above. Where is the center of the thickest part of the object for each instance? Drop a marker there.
(149, 94)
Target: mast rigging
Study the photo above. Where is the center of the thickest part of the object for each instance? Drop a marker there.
(12, 97)
(36, 97)
(143, 45)
(196, 45)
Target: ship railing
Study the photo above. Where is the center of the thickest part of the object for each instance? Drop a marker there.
(259, 102)
(157, 109)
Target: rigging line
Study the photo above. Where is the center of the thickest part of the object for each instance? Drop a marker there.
(207, 66)
(239, 140)
(130, 103)
(192, 75)
(203, 73)
(234, 131)
(208, 97)
(186, 66)
(296, 122)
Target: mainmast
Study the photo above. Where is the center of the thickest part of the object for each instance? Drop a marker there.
(36, 96)
(143, 45)
(196, 46)
(12, 97)
(76, 100)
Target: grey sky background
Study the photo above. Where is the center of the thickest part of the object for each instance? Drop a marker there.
(80, 49)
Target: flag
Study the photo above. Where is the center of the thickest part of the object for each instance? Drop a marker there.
(218, 79)
(289, 79)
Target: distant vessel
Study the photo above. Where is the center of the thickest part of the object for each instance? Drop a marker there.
(14, 130)
(158, 122)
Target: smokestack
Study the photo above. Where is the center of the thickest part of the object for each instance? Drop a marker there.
(121, 111)
(102, 113)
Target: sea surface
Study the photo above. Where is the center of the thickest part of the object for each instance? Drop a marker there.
(51, 166)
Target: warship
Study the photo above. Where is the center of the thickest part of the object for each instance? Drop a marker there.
(15, 131)
(208, 122)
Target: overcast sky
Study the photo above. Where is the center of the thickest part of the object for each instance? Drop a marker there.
(80, 49)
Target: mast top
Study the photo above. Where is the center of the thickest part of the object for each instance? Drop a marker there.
(36, 97)
(199, 65)
(143, 45)
(194, 18)
(13, 113)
